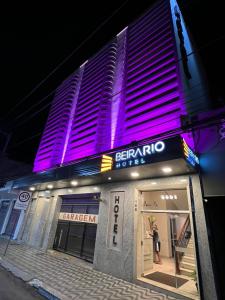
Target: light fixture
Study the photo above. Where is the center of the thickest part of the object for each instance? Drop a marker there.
(134, 174)
(167, 170)
(74, 183)
(50, 186)
(109, 178)
(168, 197)
(153, 183)
(183, 180)
(95, 188)
(32, 188)
(70, 191)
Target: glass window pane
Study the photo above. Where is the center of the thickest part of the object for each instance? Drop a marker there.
(80, 209)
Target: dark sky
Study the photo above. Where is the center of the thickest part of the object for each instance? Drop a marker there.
(35, 40)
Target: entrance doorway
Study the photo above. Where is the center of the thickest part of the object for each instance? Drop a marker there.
(167, 242)
(75, 234)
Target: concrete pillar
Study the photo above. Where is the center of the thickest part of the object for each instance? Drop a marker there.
(19, 224)
(209, 289)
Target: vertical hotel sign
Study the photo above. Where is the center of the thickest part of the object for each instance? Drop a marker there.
(116, 215)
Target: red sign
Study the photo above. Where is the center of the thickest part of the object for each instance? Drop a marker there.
(84, 218)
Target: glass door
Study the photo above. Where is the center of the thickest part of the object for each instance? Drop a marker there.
(168, 255)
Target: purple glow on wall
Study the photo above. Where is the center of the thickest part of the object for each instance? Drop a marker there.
(53, 139)
(129, 91)
(118, 87)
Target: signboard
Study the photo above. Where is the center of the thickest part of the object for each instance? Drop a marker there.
(132, 157)
(23, 200)
(116, 213)
(141, 155)
(74, 217)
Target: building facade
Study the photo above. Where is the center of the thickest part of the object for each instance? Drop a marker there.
(116, 177)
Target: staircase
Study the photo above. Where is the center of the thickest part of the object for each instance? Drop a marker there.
(185, 257)
(187, 264)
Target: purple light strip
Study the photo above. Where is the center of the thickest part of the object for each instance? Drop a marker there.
(72, 112)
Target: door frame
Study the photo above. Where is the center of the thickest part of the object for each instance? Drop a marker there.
(143, 211)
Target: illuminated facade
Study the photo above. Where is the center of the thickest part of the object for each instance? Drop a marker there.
(139, 86)
(114, 159)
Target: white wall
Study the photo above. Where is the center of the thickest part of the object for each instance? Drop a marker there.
(41, 223)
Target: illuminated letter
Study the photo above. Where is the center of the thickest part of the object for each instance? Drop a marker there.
(146, 150)
(131, 153)
(159, 146)
(118, 156)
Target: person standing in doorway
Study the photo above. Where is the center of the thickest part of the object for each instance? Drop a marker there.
(156, 244)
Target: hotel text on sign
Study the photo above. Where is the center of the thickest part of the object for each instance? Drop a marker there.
(83, 218)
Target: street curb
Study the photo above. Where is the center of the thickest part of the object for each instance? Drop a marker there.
(25, 276)
(47, 294)
(44, 290)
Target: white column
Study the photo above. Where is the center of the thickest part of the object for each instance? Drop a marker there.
(18, 225)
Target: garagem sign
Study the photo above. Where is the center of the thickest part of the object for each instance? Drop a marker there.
(74, 217)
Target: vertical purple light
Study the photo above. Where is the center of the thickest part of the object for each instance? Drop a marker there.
(72, 112)
(118, 87)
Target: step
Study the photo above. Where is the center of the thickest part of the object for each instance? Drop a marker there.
(188, 259)
(187, 265)
(186, 272)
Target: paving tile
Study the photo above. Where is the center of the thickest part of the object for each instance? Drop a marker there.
(73, 279)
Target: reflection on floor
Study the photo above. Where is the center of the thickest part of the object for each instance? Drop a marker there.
(168, 267)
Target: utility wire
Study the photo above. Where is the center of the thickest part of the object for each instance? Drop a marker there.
(113, 95)
(25, 140)
(83, 42)
(68, 57)
(36, 104)
(187, 128)
(48, 104)
(189, 54)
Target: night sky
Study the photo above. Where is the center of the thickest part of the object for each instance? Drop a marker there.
(34, 41)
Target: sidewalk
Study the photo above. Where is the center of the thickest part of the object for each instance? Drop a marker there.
(69, 278)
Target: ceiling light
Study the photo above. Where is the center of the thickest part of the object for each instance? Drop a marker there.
(183, 180)
(134, 174)
(74, 182)
(171, 197)
(70, 191)
(167, 197)
(109, 178)
(166, 169)
(32, 188)
(50, 186)
(95, 188)
(162, 197)
(153, 183)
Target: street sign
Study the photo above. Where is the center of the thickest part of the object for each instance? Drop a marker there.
(23, 200)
